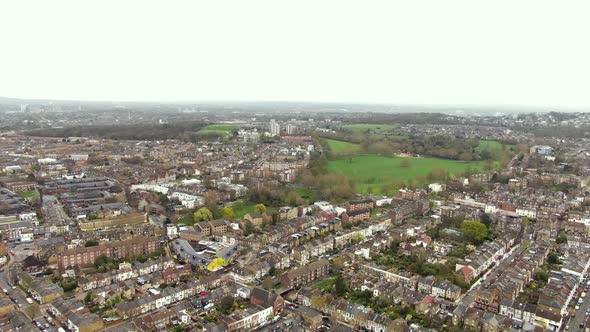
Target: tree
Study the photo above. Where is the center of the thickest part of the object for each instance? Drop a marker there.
(211, 201)
(562, 238)
(69, 284)
(89, 297)
(91, 243)
(226, 304)
(260, 208)
(552, 258)
(474, 231)
(227, 213)
(339, 286)
(318, 302)
(248, 228)
(486, 220)
(542, 276)
(203, 214)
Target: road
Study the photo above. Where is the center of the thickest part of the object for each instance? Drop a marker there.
(21, 251)
(468, 298)
(580, 316)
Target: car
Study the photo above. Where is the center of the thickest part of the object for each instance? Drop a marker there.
(577, 307)
(29, 300)
(5, 290)
(20, 305)
(583, 294)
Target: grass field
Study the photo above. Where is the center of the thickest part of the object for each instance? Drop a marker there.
(341, 147)
(492, 145)
(241, 208)
(220, 128)
(375, 171)
(375, 128)
(29, 194)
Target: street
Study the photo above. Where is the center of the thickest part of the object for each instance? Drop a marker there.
(574, 322)
(21, 251)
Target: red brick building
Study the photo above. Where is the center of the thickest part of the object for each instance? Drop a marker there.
(86, 256)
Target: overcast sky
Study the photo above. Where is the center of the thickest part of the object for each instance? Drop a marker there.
(442, 51)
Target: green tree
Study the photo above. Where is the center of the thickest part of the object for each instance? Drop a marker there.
(91, 243)
(552, 258)
(248, 228)
(260, 208)
(226, 304)
(474, 231)
(227, 213)
(203, 214)
(562, 238)
(339, 286)
(542, 276)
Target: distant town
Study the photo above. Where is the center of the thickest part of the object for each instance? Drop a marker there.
(292, 217)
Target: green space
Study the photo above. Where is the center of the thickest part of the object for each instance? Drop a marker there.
(326, 284)
(342, 147)
(306, 194)
(363, 128)
(29, 194)
(376, 171)
(220, 128)
(492, 145)
(242, 208)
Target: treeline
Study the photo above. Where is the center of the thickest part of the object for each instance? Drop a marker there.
(185, 131)
(324, 186)
(401, 118)
(440, 146)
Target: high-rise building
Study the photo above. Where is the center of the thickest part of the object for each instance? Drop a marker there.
(291, 129)
(275, 129)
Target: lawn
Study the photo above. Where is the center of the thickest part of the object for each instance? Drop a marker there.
(363, 128)
(375, 171)
(242, 208)
(29, 194)
(220, 128)
(326, 284)
(306, 194)
(492, 145)
(342, 147)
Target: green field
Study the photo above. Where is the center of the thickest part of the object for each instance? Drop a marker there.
(242, 208)
(29, 194)
(375, 171)
(492, 145)
(375, 128)
(220, 128)
(342, 147)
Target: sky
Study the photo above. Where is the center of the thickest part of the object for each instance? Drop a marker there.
(525, 52)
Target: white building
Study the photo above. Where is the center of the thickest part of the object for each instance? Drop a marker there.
(291, 129)
(187, 200)
(275, 128)
(529, 213)
(150, 187)
(79, 157)
(435, 187)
